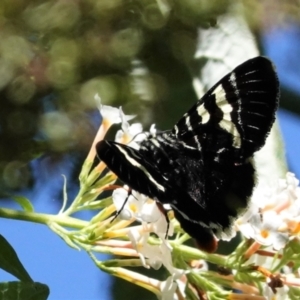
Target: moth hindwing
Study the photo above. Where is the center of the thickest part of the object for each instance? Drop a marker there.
(203, 166)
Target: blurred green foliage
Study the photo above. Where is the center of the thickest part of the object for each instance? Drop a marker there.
(56, 55)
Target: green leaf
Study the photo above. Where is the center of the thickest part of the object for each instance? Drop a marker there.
(10, 262)
(23, 291)
(24, 203)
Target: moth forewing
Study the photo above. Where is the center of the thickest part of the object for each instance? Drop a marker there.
(202, 167)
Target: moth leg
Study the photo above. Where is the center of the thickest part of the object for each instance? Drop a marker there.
(123, 205)
(165, 213)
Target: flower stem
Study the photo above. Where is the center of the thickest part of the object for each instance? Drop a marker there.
(191, 253)
(42, 218)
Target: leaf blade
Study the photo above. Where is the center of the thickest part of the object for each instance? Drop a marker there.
(9, 261)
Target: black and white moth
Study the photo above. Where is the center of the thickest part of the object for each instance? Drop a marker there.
(203, 167)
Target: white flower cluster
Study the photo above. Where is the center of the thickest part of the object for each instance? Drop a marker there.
(273, 217)
(141, 208)
(272, 221)
(145, 210)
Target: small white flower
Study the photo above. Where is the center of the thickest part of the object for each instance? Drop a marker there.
(291, 213)
(153, 221)
(156, 255)
(152, 130)
(261, 260)
(242, 223)
(139, 242)
(161, 226)
(132, 134)
(274, 213)
(266, 230)
(281, 292)
(278, 197)
(149, 212)
(153, 253)
(129, 134)
(143, 209)
(133, 205)
(168, 289)
(156, 220)
(110, 115)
